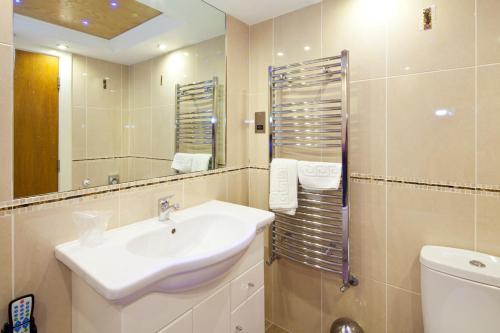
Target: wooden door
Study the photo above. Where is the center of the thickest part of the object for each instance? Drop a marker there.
(36, 124)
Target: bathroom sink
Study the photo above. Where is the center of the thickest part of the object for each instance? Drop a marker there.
(196, 246)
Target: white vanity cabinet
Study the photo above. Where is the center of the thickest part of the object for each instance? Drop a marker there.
(234, 303)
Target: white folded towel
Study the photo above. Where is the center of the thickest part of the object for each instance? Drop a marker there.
(200, 162)
(283, 186)
(319, 175)
(182, 162)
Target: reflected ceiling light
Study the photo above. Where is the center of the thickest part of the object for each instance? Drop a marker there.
(85, 22)
(407, 68)
(186, 54)
(17, 2)
(307, 48)
(442, 113)
(280, 54)
(62, 47)
(162, 46)
(113, 4)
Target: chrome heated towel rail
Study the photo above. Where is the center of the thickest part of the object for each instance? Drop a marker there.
(196, 118)
(309, 114)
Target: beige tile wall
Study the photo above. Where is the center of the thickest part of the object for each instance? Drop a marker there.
(29, 236)
(400, 76)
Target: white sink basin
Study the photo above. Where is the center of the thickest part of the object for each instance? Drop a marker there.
(195, 247)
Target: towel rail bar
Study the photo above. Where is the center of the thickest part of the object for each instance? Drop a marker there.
(296, 123)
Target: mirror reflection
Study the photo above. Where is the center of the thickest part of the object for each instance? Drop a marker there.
(107, 92)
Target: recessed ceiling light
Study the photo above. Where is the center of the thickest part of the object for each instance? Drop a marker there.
(62, 47)
(307, 48)
(85, 22)
(113, 4)
(280, 54)
(162, 47)
(18, 2)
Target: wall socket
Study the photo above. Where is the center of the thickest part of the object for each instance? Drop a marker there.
(260, 122)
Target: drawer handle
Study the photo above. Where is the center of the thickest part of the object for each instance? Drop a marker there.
(239, 328)
(251, 285)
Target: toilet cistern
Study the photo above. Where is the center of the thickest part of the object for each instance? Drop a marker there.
(165, 208)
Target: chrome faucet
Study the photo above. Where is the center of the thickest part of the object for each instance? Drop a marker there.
(165, 208)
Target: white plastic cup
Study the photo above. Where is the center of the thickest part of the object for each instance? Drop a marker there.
(91, 226)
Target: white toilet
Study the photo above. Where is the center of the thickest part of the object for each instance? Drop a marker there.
(460, 290)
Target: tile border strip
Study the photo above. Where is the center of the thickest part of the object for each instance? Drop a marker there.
(23, 204)
(480, 189)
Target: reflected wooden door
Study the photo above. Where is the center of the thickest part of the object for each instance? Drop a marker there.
(36, 128)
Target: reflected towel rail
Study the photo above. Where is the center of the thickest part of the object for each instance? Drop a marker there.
(196, 123)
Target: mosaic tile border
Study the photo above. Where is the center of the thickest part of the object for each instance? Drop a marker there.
(485, 190)
(56, 199)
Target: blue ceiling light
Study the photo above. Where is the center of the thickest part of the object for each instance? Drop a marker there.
(113, 4)
(85, 22)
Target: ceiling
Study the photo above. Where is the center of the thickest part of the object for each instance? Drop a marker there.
(182, 23)
(125, 14)
(255, 11)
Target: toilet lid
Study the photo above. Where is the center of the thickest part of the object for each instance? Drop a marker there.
(470, 265)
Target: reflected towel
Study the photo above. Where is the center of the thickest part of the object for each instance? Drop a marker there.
(319, 175)
(283, 186)
(182, 162)
(200, 162)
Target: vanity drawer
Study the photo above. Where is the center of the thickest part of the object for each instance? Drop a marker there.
(249, 316)
(246, 284)
(184, 324)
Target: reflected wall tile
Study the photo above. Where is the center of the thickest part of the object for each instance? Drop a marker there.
(258, 188)
(404, 311)
(163, 138)
(101, 125)
(261, 56)
(488, 118)
(100, 95)
(296, 297)
(449, 44)
(159, 78)
(488, 224)
(161, 168)
(6, 22)
(297, 36)
(79, 81)
(6, 264)
(140, 144)
(6, 118)
(417, 217)
(237, 187)
(141, 168)
(202, 189)
(364, 303)
(137, 205)
(488, 32)
(79, 174)
(368, 230)
(98, 171)
(141, 85)
(357, 26)
(431, 126)
(38, 271)
(367, 127)
(78, 132)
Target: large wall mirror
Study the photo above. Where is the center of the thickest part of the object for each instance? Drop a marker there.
(112, 91)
